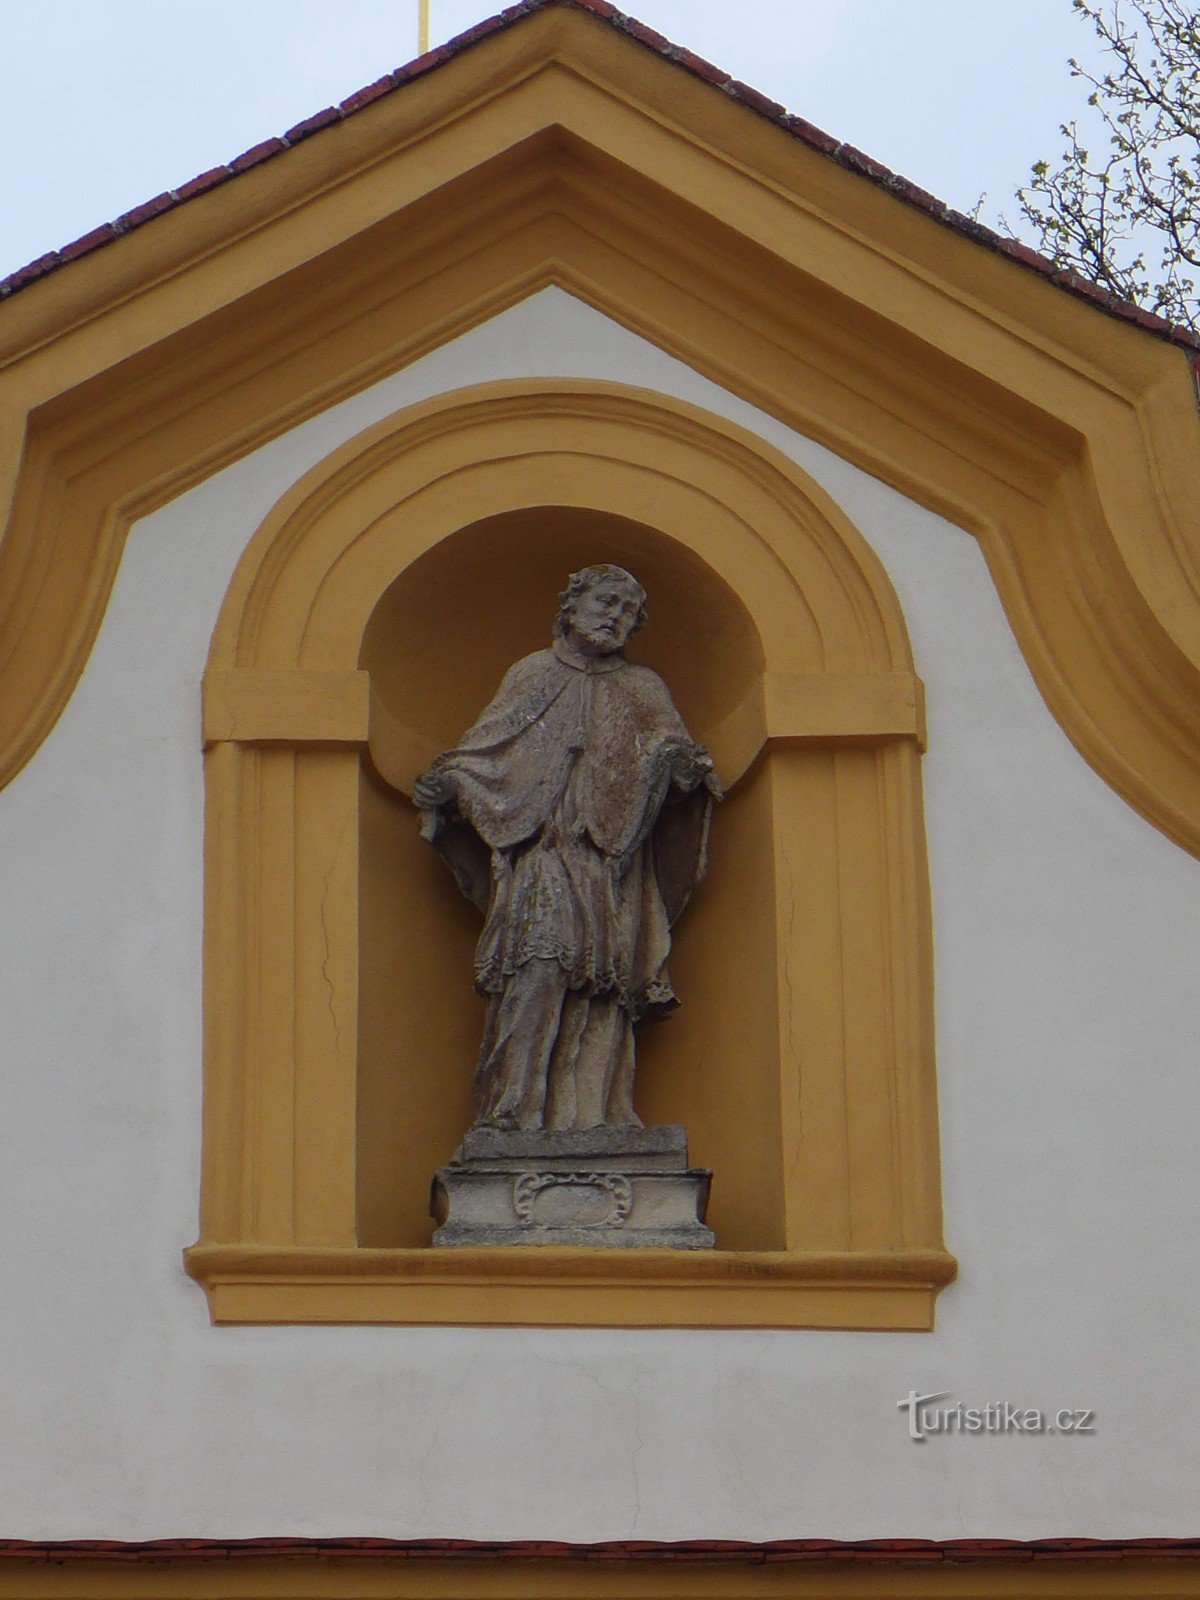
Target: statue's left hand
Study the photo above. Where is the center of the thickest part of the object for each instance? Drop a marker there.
(432, 789)
(691, 765)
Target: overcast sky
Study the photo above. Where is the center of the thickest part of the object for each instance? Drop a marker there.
(104, 103)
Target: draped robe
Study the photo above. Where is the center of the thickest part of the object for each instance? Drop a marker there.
(579, 826)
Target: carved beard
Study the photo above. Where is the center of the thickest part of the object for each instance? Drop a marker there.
(602, 637)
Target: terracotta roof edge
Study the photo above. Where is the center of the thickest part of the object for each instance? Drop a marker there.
(891, 1551)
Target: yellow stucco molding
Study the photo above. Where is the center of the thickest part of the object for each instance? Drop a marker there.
(881, 705)
(639, 1288)
(792, 653)
(1066, 442)
(248, 705)
(264, 707)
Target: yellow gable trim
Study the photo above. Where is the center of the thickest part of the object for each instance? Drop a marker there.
(560, 152)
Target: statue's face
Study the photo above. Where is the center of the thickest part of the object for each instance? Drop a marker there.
(603, 617)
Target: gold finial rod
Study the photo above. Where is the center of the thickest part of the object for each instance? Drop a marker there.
(422, 26)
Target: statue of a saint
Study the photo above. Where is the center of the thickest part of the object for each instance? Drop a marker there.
(575, 815)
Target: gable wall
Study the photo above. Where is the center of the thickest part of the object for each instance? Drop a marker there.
(1067, 936)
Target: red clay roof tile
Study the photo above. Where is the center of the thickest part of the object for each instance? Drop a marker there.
(373, 91)
(143, 213)
(313, 124)
(203, 183)
(256, 153)
(104, 234)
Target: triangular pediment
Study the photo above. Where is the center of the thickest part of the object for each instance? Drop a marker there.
(564, 150)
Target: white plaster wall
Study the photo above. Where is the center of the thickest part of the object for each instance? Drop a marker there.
(1068, 949)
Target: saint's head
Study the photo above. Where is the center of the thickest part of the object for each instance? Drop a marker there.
(599, 609)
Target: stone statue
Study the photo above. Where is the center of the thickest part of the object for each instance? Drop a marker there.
(575, 815)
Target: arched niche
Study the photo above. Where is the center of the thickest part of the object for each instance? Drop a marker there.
(369, 620)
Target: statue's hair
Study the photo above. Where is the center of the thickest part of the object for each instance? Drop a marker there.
(587, 578)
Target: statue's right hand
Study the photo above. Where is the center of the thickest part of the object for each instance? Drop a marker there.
(433, 789)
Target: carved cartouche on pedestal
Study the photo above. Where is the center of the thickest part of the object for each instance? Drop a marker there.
(575, 814)
(605, 1186)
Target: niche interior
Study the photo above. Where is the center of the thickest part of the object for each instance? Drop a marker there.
(436, 648)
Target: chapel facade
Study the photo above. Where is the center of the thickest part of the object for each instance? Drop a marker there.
(295, 462)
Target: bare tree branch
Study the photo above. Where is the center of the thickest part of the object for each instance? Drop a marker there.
(1106, 216)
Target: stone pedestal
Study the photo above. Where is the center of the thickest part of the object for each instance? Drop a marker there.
(603, 1187)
